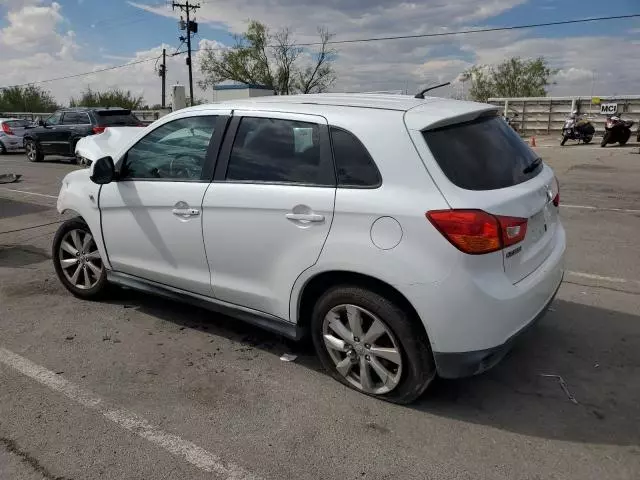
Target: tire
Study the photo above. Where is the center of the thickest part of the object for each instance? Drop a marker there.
(605, 139)
(34, 154)
(404, 340)
(89, 271)
(564, 140)
(624, 137)
(587, 139)
(3, 149)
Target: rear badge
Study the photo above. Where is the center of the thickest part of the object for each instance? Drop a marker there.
(514, 252)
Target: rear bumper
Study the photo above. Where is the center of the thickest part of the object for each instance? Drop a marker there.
(473, 315)
(466, 364)
(12, 144)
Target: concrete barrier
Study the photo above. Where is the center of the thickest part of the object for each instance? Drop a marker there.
(546, 115)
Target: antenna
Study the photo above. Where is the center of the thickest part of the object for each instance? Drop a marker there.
(421, 94)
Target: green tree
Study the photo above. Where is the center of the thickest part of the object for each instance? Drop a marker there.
(272, 60)
(512, 78)
(26, 99)
(109, 98)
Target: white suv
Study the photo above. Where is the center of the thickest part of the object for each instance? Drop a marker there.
(409, 237)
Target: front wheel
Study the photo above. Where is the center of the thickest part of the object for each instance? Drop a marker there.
(371, 345)
(77, 260)
(3, 149)
(34, 154)
(605, 139)
(564, 140)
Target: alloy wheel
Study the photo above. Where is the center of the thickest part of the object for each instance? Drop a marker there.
(80, 260)
(31, 151)
(362, 348)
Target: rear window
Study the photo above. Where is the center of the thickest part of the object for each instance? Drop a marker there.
(116, 118)
(18, 123)
(484, 154)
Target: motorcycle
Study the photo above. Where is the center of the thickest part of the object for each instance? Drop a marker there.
(511, 120)
(577, 129)
(617, 130)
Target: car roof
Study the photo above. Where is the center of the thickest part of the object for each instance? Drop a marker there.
(419, 112)
(10, 118)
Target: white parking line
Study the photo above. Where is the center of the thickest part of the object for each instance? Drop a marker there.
(589, 207)
(593, 276)
(192, 453)
(29, 193)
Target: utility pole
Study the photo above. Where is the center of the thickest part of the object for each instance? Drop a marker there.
(163, 75)
(190, 27)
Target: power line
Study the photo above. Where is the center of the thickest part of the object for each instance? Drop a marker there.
(360, 40)
(480, 30)
(81, 74)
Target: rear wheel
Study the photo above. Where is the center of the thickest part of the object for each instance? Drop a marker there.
(587, 139)
(624, 137)
(77, 260)
(605, 139)
(371, 345)
(34, 154)
(3, 149)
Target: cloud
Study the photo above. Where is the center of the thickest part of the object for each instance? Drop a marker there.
(35, 45)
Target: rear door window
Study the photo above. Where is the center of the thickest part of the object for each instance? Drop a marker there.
(354, 165)
(273, 150)
(116, 118)
(484, 154)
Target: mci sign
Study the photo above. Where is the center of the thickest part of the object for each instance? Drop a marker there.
(608, 108)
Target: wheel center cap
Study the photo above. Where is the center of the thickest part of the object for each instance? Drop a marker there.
(359, 348)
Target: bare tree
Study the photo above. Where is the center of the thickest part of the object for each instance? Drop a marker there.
(271, 60)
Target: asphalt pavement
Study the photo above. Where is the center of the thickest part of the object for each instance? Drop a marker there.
(136, 387)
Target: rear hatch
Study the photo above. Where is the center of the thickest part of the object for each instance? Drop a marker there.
(481, 163)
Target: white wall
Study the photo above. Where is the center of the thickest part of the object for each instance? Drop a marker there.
(239, 93)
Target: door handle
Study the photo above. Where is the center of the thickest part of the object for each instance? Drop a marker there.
(305, 217)
(186, 212)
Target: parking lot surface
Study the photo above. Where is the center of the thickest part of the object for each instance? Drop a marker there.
(138, 387)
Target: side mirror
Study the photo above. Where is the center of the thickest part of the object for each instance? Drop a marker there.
(103, 171)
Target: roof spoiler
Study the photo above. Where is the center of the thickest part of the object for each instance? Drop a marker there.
(421, 94)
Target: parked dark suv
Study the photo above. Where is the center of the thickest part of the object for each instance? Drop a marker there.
(58, 134)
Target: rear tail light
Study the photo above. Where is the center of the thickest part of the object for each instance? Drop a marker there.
(476, 232)
(556, 192)
(98, 129)
(7, 129)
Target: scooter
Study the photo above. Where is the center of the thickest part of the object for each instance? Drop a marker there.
(577, 129)
(617, 130)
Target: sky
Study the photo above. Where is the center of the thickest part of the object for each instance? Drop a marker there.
(43, 39)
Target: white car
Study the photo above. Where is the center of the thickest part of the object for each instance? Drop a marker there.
(409, 237)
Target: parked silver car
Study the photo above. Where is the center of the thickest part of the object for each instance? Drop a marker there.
(11, 132)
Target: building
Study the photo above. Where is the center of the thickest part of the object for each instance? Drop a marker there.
(223, 92)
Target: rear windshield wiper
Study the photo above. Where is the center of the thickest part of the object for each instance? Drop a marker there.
(532, 166)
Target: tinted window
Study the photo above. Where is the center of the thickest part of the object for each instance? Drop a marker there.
(18, 123)
(75, 118)
(54, 119)
(175, 151)
(278, 151)
(354, 165)
(485, 154)
(112, 118)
